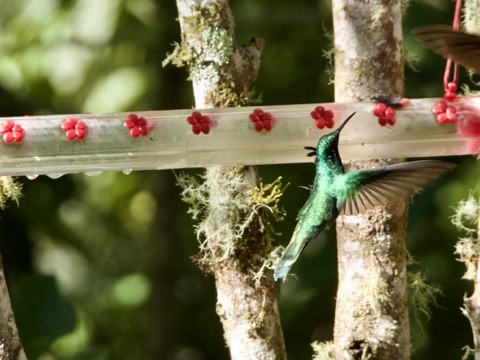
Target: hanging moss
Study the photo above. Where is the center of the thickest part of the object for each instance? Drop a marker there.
(9, 190)
(468, 247)
(323, 350)
(245, 220)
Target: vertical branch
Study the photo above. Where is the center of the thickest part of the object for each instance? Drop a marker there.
(368, 49)
(471, 308)
(10, 345)
(236, 238)
(372, 320)
(466, 219)
(468, 213)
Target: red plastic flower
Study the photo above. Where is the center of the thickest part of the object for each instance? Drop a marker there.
(261, 120)
(138, 126)
(323, 117)
(385, 114)
(200, 123)
(74, 129)
(385, 107)
(445, 113)
(12, 132)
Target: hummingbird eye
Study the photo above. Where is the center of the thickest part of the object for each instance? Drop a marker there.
(313, 150)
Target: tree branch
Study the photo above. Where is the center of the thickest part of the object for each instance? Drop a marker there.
(235, 241)
(371, 317)
(10, 344)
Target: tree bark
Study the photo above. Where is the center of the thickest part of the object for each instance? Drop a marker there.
(467, 220)
(10, 344)
(236, 240)
(471, 309)
(471, 304)
(371, 317)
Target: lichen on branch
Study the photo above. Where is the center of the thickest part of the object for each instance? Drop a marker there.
(248, 213)
(9, 190)
(466, 219)
(208, 49)
(421, 296)
(233, 211)
(467, 248)
(323, 350)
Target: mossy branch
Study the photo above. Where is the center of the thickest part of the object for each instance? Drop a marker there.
(9, 190)
(234, 236)
(467, 248)
(466, 218)
(243, 208)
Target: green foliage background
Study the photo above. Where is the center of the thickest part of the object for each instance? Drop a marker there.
(99, 267)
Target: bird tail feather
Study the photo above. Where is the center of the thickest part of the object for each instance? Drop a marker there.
(289, 257)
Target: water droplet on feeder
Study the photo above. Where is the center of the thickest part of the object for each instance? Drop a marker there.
(55, 175)
(93, 173)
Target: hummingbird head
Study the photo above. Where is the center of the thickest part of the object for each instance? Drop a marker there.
(328, 144)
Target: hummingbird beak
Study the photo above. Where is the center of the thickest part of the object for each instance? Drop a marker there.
(337, 130)
(335, 134)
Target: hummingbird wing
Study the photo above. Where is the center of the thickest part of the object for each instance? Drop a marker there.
(362, 190)
(461, 47)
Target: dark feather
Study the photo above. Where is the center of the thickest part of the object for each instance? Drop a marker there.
(461, 47)
(313, 150)
(388, 185)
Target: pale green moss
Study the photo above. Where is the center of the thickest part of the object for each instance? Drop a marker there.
(377, 289)
(468, 247)
(242, 209)
(180, 56)
(328, 55)
(323, 350)
(471, 17)
(378, 17)
(466, 215)
(209, 52)
(268, 263)
(227, 95)
(9, 190)
(422, 296)
(218, 46)
(468, 352)
(404, 4)
(207, 39)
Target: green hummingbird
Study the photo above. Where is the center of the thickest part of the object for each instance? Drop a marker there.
(335, 191)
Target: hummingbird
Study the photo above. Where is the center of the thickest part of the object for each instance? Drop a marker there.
(459, 46)
(335, 191)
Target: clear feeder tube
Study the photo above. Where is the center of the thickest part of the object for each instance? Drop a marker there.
(232, 140)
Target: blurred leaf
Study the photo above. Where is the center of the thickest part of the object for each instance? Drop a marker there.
(92, 354)
(117, 91)
(42, 313)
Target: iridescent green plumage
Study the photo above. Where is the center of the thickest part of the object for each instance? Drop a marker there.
(354, 192)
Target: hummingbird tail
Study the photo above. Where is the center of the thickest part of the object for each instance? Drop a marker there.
(289, 257)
